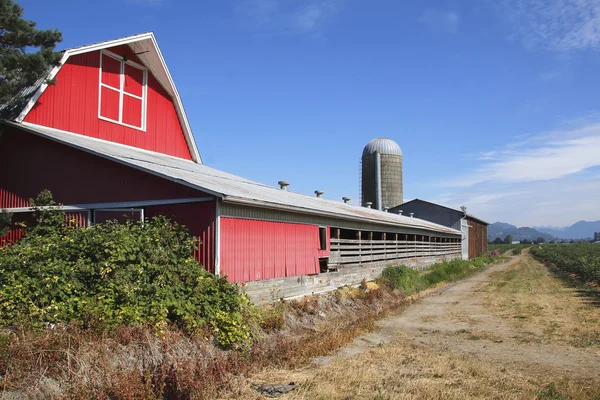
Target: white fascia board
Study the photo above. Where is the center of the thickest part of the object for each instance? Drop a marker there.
(123, 205)
(118, 42)
(179, 107)
(42, 88)
(110, 43)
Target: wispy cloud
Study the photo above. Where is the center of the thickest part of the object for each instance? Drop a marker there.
(545, 156)
(548, 178)
(548, 76)
(557, 25)
(289, 16)
(443, 21)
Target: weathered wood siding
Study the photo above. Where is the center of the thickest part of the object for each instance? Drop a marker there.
(477, 238)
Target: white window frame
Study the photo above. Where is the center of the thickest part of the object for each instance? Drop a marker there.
(121, 90)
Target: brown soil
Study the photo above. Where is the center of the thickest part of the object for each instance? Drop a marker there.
(512, 331)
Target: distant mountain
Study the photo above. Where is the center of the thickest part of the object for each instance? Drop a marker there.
(579, 230)
(501, 230)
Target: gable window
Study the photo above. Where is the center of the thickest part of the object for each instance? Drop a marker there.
(123, 87)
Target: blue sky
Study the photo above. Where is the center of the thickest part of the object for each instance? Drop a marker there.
(495, 103)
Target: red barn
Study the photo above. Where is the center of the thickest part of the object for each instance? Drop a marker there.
(111, 139)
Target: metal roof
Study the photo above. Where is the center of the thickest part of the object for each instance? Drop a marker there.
(383, 146)
(440, 205)
(230, 188)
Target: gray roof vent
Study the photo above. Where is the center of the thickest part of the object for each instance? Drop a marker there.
(319, 193)
(369, 204)
(346, 199)
(412, 215)
(283, 185)
(400, 212)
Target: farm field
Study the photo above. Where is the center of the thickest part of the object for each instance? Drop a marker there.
(582, 260)
(514, 331)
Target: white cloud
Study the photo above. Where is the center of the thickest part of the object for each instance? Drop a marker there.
(558, 202)
(557, 25)
(542, 157)
(444, 21)
(552, 178)
(289, 16)
(311, 16)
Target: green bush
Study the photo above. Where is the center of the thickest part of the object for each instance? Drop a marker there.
(410, 280)
(403, 278)
(112, 274)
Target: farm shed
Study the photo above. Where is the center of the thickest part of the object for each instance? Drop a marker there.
(133, 155)
(474, 230)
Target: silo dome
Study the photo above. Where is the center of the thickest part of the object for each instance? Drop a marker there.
(384, 145)
(381, 174)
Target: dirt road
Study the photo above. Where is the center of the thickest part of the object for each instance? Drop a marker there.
(511, 331)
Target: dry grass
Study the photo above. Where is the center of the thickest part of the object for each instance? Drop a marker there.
(404, 370)
(138, 363)
(521, 309)
(541, 308)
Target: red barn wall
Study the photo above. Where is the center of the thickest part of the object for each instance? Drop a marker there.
(255, 250)
(72, 105)
(199, 219)
(29, 164)
(16, 232)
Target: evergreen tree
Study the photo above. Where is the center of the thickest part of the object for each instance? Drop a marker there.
(21, 65)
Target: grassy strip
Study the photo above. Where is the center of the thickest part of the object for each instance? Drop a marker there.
(503, 248)
(409, 281)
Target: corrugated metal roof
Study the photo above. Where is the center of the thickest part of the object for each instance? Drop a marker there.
(230, 187)
(441, 205)
(383, 146)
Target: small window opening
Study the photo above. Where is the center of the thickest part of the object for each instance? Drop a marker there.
(322, 238)
(323, 265)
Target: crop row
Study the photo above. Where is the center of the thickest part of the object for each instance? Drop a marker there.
(580, 259)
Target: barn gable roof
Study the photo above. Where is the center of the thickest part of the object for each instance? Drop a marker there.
(440, 205)
(230, 188)
(146, 49)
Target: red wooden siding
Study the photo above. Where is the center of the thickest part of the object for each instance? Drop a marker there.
(72, 105)
(255, 250)
(199, 219)
(74, 218)
(30, 164)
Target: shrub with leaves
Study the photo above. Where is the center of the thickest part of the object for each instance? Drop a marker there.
(113, 274)
(5, 222)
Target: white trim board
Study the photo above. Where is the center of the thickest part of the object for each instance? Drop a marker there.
(118, 205)
(169, 85)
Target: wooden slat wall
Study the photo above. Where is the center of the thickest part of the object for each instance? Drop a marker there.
(350, 251)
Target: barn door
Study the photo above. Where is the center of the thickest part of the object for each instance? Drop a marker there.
(464, 227)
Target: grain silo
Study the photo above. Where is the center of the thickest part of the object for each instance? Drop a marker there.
(381, 178)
